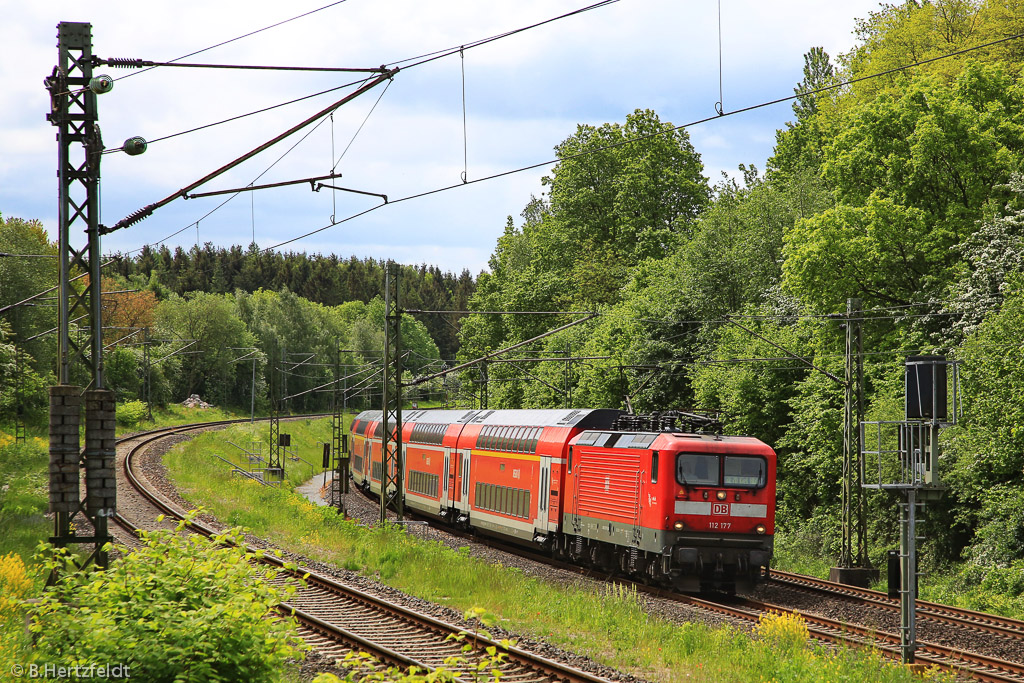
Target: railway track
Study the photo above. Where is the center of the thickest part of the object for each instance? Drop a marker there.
(956, 660)
(336, 618)
(927, 611)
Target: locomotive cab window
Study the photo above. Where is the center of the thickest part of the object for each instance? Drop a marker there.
(695, 469)
(746, 471)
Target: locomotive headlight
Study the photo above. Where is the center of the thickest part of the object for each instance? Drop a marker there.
(678, 526)
(760, 529)
(720, 495)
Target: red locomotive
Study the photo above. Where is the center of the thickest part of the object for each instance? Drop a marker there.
(637, 495)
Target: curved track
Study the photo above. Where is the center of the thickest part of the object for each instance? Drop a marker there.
(336, 618)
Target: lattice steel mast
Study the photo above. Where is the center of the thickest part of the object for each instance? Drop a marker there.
(391, 436)
(79, 147)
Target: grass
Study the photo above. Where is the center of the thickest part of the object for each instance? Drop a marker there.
(24, 496)
(609, 624)
(24, 479)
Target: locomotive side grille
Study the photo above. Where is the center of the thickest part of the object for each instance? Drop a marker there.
(607, 485)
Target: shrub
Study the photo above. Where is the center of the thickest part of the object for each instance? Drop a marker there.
(784, 632)
(15, 584)
(181, 608)
(130, 413)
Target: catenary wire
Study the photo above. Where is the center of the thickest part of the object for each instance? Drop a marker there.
(230, 197)
(237, 38)
(649, 136)
(438, 55)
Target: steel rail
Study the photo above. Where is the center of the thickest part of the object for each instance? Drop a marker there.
(930, 611)
(521, 662)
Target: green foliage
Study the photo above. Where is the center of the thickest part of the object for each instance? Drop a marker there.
(911, 173)
(21, 278)
(22, 389)
(991, 254)
(881, 252)
(131, 413)
(612, 205)
(326, 280)
(23, 497)
(123, 371)
(207, 324)
(178, 609)
(899, 34)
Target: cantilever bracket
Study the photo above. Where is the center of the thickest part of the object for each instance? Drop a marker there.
(348, 189)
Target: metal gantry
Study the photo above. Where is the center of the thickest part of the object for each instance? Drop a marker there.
(339, 442)
(854, 503)
(275, 464)
(391, 492)
(905, 463)
(73, 112)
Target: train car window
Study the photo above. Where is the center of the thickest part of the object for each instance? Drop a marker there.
(519, 443)
(696, 469)
(654, 467)
(570, 459)
(535, 437)
(746, 471)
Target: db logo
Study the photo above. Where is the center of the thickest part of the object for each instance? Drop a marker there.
(720, 508)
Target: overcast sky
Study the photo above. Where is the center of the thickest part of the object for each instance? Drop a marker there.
(524, 95)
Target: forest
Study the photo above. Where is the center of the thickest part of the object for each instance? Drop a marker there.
(903, 191)
(197, 323)
(898, 186)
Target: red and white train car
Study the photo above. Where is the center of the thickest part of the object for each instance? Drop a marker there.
(691, 510)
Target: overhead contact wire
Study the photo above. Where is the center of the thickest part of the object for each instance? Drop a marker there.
(232, 40)
(650, 136)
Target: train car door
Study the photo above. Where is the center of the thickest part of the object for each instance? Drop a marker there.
(544, 493)
(447, 477)
(463, 479)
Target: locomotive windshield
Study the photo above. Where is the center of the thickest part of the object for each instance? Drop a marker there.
(745, 471)
(695, 469)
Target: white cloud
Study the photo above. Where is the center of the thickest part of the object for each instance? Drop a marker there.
(524, 94)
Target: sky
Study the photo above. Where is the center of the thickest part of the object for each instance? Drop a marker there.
(524, 94)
